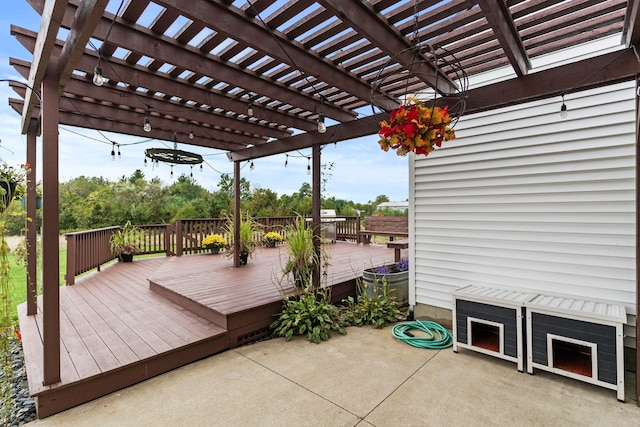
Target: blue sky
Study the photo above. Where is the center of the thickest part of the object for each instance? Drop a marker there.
(361, 171)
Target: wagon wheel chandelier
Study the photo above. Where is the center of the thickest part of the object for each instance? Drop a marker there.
(173, 155)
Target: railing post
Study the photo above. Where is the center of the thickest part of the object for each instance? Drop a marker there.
(70, 275)
(358, 229)
(178, 226)
(168, 231)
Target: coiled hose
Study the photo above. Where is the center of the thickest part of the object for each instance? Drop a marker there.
(438, 336)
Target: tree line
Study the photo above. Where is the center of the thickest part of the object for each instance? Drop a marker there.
(91, 202)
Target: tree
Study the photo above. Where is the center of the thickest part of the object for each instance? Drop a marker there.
(226, 184)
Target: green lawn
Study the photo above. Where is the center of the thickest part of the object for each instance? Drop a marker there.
(18, 273)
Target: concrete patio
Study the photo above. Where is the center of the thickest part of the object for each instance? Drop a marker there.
(363, 378)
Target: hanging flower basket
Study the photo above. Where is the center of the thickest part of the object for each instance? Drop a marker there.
(7, 191)
(416, 128)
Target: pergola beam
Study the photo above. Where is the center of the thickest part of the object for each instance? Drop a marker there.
(86, 18)
(180, 113)
(142, 41)
(606, 69)
(132, 74)
(52, 14)
(162, 129)
(497, 14)
(277, 46)
(372, 25)
(631, 31)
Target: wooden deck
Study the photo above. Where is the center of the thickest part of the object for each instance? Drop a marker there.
(132, 321)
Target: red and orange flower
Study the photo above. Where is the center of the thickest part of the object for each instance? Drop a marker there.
(416, 128)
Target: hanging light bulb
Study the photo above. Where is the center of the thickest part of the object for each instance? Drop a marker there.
(147, 124)
(322, 128)
(98, 80)
(113, 151)
(251, 166)
(171, 170)
(145, 162)
(191, 134)
(563, 109)
(250, 110)
(201, 167)
(191, 173)
(119, 155)
(335, 144)
(308, 166)
(286, 161)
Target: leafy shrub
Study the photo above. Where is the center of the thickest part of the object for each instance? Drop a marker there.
(310, 313)
(379, 310)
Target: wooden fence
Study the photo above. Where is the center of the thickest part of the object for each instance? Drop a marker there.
(90, 249)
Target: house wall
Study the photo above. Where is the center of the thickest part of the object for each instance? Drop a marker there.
(525, 200)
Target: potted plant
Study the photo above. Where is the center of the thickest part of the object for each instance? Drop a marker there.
(23, 199)
(247, 230)
(395, 276)
(272, 238)
(11, 183)
(302, 255)
(214, 242)
(125, 242)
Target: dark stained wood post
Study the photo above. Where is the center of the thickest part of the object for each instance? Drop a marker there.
(179, 237)
(236, 214)
(31, 225)
(637, 243)
(50, 226)
(315, 213)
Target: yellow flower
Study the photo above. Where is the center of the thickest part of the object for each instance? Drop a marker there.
(213, 241)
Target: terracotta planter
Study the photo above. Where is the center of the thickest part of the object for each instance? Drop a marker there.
(398, 282)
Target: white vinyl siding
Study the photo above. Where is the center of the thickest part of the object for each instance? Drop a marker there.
(525, 200)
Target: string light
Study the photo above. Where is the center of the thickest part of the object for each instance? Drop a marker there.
(171, 170)
(250, 110)
(191, 134)
(251, 166)
(147, 125)
(286, 161)
(308, 166)
(145, 162)
(191, 173)
(322, 128)
(113, 151)
(201, 168)
(119, 155)
(563, 109)
(98, 79)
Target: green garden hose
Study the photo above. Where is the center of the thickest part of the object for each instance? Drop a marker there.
(438, 336)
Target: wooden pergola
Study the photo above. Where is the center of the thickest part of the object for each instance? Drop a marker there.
(254, 77)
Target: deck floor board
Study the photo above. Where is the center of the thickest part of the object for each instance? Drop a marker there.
(116, 329)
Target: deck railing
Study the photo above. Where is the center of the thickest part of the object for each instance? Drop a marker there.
(90, 249)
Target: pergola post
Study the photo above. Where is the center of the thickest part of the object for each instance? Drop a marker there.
(315, 209)
(31, 225)
(637, 243)
(236, 214)
(50, 226)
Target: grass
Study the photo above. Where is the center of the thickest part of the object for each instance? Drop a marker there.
(18, 274)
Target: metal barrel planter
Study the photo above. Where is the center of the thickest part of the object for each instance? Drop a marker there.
(398, 283)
